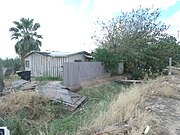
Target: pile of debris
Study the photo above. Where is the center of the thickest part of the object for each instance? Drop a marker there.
(20, 85)
(52, 89)
(59, 93)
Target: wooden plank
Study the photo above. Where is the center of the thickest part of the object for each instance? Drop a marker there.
(175, 68)
(77, 104)
(132, 81)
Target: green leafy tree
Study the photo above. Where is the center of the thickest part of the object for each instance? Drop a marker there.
(131, 31)
(14, 64)
(140, 39)
(109, 59)
(25, 32)
(7, 63)
(1, 79)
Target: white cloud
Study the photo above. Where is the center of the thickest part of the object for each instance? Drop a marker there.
(106, 8)
(64, 27)
(174, 23)
(84, 5)
(159, 4)
(68, 32)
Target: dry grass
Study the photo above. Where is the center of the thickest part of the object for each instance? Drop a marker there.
(106, 79)
(26, 112)
(14, 102)
(165, 86)
(126, 114)
(8, 80)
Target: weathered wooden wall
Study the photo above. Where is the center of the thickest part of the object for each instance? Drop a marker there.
(76, 72)
(41, 65)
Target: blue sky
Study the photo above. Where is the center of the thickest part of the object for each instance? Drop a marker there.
(171, 10)
(67, 25)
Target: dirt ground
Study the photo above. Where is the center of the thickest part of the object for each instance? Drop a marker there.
(166, 110)
(167, 113)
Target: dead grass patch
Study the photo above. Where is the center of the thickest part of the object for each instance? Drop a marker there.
(14, 102)
(106, 79)
(126, 114)
(164, 86)
(25, 112)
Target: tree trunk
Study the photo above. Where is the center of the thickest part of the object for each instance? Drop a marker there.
(1, 79)
(22, 62)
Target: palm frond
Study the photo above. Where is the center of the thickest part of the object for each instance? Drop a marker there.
(25, 32)
(31, 21)
(17, 48)
(36, 35)
(36, 26)
(39, 36)
(38, 42)
(18, 25)
(16, 36)
(14, 29)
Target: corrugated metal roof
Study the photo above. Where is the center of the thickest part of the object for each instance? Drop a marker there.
(43, 53)
(88, 56)
(58, 53)
(62, 54)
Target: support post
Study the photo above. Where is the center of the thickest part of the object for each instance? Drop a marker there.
(170, 64)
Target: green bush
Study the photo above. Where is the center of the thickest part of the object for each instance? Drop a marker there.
(13, 64)
(109, 59)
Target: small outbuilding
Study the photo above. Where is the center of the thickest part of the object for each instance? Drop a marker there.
(50, 64)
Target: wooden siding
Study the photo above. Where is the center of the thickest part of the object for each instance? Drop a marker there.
(41, 65)
(72, 58)
(76, 72)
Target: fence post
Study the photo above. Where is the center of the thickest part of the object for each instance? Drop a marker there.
(170, 64)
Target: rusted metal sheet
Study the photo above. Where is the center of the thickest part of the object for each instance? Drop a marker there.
(55, 91)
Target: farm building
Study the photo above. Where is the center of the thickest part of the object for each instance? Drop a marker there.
(51, 63)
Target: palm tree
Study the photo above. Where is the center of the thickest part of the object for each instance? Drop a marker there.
(27, 38)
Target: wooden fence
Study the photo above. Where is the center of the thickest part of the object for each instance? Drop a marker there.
(76, 72)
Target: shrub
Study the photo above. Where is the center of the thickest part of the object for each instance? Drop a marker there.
(109, 59)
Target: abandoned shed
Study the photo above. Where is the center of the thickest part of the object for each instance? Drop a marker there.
(51, 63)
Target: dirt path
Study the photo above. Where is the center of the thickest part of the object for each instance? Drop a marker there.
(167, 114)
(166, 111)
